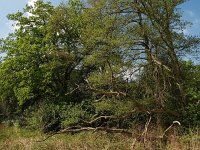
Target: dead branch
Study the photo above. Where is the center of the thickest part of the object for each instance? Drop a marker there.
(106, 93)
(72, 91)
(72, 130)
(100, 99)
(109, 117)
(174, 122)
(144, 134)
(160, 63)
(99, 118)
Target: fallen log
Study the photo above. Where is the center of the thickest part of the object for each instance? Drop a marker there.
(77, 130)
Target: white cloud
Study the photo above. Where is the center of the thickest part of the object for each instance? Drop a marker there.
(186, 31)
(193, 17)
(131, 74)
(31, 2)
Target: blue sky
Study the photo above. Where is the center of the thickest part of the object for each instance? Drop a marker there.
(190, 9)
(191, 12)
(12, 6)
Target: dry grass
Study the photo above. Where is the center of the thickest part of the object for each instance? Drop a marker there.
(22, 139)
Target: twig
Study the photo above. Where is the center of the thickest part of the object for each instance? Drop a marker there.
(73, 90)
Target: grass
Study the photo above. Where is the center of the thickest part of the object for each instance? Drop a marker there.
(14, 138)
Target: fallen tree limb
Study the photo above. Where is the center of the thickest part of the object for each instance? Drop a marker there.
(106, 93)
(128, 114)
(99, 118)
(72, 130)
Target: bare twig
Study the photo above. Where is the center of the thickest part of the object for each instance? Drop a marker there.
(73, 90)
(100, 99)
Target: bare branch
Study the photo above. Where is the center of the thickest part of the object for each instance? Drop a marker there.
(144, 134)
(106, 93)
(174, 122)
(72, 91)
(71, 130)
(100, 117)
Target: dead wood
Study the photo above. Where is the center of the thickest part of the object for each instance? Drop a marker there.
(77, 130)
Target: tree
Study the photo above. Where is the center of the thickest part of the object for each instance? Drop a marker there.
(41, 56)
(147, 35)
(21, 73)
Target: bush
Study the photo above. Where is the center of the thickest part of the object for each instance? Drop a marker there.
(52, 117)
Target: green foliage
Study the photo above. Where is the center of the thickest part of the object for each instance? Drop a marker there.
(39, 58)
(192, 85)
(114, 107)
(192, 80)
(192, 115)
(72, 115)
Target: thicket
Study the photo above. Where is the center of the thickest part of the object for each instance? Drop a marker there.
(104, 65)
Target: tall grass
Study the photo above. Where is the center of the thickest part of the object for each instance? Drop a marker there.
(14, 138)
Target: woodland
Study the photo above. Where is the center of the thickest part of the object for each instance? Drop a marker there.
(101, 65)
